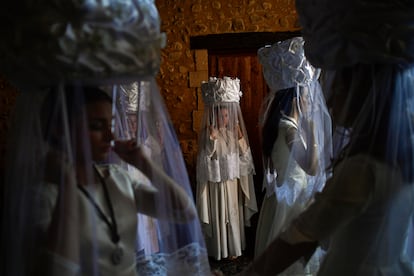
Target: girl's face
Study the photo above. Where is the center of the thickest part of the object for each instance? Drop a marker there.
(223, 119)
(99, 115)
(132, 124)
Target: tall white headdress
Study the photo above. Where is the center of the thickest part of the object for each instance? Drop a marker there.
(285, 65)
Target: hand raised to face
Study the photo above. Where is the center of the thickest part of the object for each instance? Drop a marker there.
(128, 150)
(213, 132)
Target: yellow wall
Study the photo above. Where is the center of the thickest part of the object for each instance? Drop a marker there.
(182, 19)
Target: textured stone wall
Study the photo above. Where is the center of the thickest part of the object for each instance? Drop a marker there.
(183, 69)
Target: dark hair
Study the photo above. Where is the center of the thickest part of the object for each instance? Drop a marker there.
(73, 99)
(282, 102)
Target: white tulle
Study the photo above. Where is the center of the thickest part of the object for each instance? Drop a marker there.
(225, 197)
(295, 100)
(182, 262)
(53, 52)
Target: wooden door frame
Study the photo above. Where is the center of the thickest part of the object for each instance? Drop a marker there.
(233, 42)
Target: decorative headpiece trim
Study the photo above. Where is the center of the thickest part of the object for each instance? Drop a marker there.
(218, 90)
(285, 65)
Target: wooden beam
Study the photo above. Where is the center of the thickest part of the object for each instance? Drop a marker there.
(238, 41)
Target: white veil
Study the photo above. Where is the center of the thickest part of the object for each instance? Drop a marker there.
(57, 55)
(296, 136)
(367, 51)
(286, 67)
(230, 164)
(366, 209)
(224, 155)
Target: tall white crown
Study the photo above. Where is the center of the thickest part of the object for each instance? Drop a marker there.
(218, 90)
(285, 65)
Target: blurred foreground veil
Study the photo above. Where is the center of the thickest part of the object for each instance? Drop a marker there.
(366, 49)
(58, 54)
(366, 209)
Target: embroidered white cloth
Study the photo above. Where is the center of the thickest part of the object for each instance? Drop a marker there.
(285, 65)
(224, 89)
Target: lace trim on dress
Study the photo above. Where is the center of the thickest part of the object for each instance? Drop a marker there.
(226, 167)
(189, 260)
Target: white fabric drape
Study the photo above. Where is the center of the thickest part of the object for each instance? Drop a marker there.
(72, 63)
(295, 167)
(226, 197)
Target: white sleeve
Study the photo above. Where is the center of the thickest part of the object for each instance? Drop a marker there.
(211, 147)
(345, 196)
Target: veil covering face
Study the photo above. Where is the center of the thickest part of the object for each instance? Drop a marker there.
(225, 169)
(72, 205)
(222, 111)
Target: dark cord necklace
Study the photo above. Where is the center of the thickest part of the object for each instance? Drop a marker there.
(117, 254)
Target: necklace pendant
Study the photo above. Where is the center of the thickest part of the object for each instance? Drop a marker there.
(117, 254)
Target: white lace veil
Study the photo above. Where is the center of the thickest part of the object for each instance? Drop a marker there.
(367, 51)
(292, 79)
(59, 55)
(231, 156)
(221, 103)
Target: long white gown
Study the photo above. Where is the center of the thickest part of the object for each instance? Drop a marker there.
(285, 203)
(226, 207)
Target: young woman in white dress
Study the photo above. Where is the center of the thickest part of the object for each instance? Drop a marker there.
(366, 209)
(296, 143)
(71, 204)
